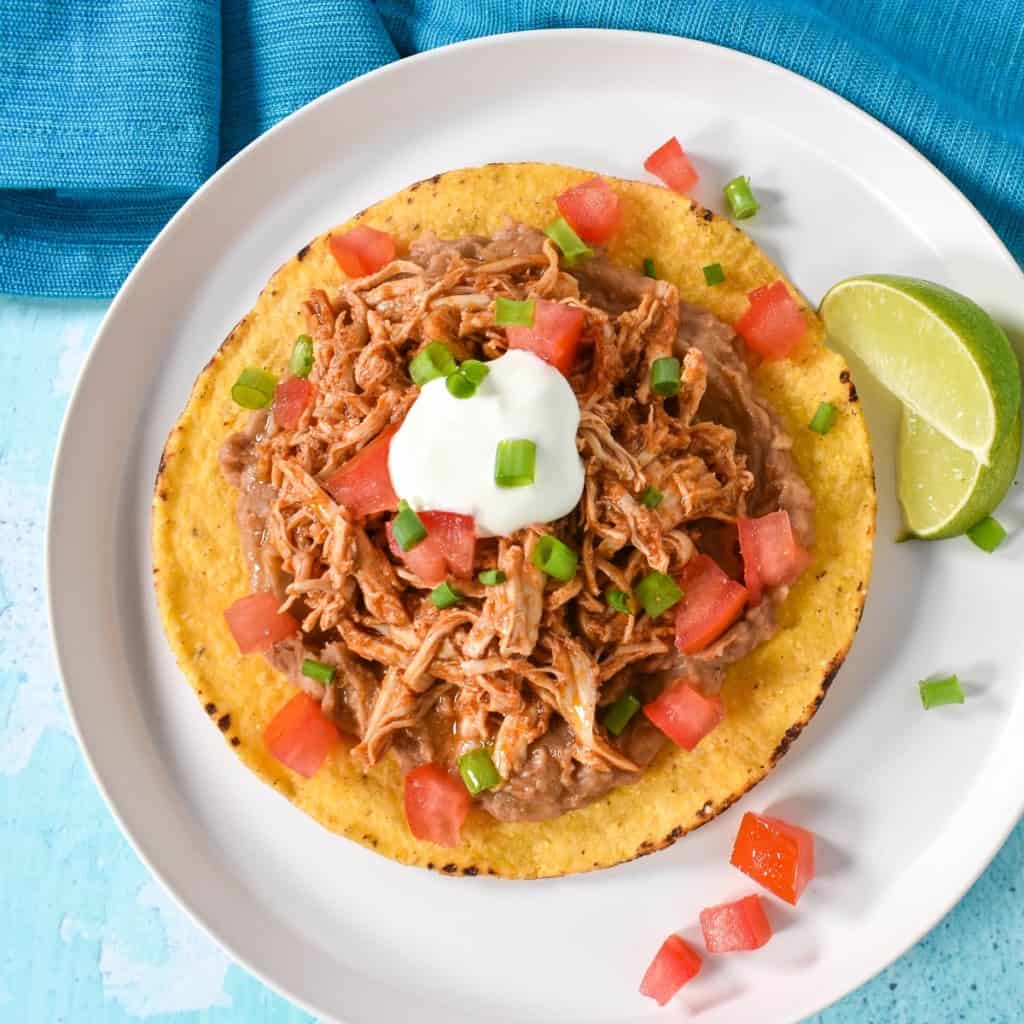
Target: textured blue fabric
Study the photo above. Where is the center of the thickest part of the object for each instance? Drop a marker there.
(113, 111)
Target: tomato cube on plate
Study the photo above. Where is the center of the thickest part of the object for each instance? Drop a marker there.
(449, 547)
(675, 964)
(711, 604)
(772, 556)
(555, 334)
(775, 854)
(773, 324)
(436, 805)
(363, 484)
(257, 625)
(592, 209)
(363, 250)
(733, 927)
(299, 736)
(684, 715)
(290, 400)
(673, 166)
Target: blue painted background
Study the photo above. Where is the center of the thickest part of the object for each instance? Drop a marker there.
(87, 937)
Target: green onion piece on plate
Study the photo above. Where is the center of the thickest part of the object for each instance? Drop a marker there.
(491, 577)
(657, 593)
(619, 715)
(474, 371)
(936, 692)
(651, 498)
(459, 385)
(665, 376)
(713, 274)
(478, 771)
(254, 388)
(515, 462)
(573, 247)
(740, 198)
(619, 600)
(301, 361)
(432, 361)
(824, 417)
(407, 527)
(319, 671)
(988, 534)
(513, 312)
(554, 558)
(649, 269)
(444, 595)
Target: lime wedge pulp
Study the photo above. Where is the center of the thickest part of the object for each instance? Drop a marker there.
(938, 352)
(943, 489)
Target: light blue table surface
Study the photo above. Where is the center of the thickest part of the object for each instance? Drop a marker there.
(87, 937)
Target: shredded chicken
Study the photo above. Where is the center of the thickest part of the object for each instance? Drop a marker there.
(510, 659)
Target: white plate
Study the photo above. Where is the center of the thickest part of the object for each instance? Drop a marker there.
(909, 806)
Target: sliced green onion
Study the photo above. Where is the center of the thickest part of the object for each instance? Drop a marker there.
(713, 274)
(554, 558)
(459, 385)
(652, 497)
(619, 600)
(619, 715)
(515, 462)
(491, 577)
(665, 376)
(407, 527)
(740, 198)
(513, 312)
(433, 360)
(478, 771)
(319, 671)
(444, 595)
(573, 247)
(474, 371)
(301, 361)
(936, 692)
(988, 534)
(824, 417)
(657, 593)
(254, 388)
(649, 268)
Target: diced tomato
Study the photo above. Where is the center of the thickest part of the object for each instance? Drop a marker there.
(555, 334)
(256, 624)
(774, 854)
(449, 547)
(773, 324)
(673, 166)
(363, 484)
(299, 736)
(675, 964)
(592, 208)
(732, 927)
(436, 804)
(711, 604)
(684, 715)
(290, 400)
(771, 554)
(363, 250)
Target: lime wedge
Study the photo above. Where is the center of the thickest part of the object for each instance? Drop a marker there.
(944, 490)
(938, 352)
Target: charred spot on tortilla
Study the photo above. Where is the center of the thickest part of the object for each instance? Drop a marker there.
(211, 708)
(671, 794)
(303, 252)
(224, 723)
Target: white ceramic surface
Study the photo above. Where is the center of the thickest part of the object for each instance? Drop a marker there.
(909, 806)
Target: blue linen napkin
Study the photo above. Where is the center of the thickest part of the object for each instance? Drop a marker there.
(113, 111)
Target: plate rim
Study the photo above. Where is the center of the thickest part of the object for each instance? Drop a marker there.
(1014, 807)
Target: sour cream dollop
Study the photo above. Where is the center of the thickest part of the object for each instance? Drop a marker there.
(443, 454)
